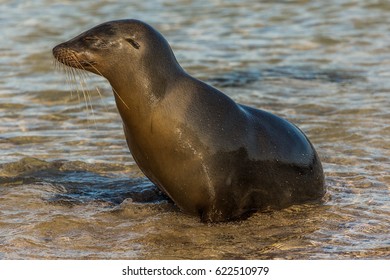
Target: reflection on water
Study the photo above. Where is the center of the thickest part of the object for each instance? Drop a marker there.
(70, 189)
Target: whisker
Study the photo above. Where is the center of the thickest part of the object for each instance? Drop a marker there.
(82, 74)
(101, 99)
(72, 82)
(120, 98)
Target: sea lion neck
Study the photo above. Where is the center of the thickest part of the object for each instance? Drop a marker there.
(145, 87)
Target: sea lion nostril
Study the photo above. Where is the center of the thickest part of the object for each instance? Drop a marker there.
(56, 50)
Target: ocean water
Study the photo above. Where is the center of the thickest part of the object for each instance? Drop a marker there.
(70, 189)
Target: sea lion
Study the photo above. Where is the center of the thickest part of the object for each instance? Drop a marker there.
(213, 157)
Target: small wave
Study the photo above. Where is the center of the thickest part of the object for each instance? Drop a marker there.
(81, 182)
(245, 77)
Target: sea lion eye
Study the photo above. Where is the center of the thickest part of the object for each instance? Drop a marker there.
(133, 43)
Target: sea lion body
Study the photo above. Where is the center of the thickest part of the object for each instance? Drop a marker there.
(213, 157)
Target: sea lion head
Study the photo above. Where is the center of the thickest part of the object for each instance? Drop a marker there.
(115, 49)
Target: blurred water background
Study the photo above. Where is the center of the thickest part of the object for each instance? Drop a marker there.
(69, 188)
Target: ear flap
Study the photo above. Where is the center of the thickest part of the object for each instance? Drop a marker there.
(133, 43)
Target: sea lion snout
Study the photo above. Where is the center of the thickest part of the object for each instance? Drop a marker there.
(74, 58)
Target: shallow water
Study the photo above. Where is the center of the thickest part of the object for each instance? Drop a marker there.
(69, 187)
